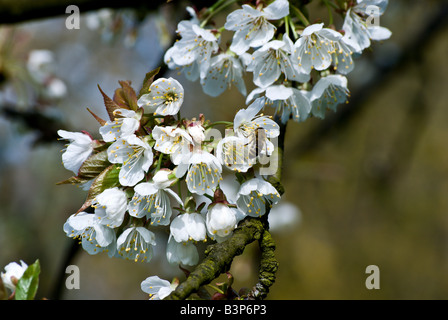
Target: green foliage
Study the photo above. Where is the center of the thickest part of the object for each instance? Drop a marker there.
(27, 286)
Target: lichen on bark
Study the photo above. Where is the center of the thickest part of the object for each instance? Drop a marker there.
(219, 256)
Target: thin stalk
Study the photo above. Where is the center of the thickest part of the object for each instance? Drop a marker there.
(330, 12)
(226, 123)
(301, 16)
(213, 10)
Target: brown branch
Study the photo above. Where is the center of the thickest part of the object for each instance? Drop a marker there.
(16, 11)
(219, 256)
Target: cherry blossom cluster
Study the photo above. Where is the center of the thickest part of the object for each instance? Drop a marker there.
(147, 158)
(298, 68)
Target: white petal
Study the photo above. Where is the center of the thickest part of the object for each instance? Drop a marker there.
(277, 10)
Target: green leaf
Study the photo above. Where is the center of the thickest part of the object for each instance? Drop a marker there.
(73, 180)
(90, 169)
(107, 179)
(149, 78)
(94, 165)
(27, 286)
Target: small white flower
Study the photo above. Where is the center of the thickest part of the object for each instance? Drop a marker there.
(234, 153)
(273, 60)
(328, 93)
(151, 199)
(196, 131)
(78, 150)
(94, 236)
(125, 123)
(246, 121)
(136, 243)
(220, 221)
(157, 288)
(357, 32)
(173, 141)
(55, 88)
(204, 172)
(110, 207)
(190, 71)
(136, 156)
(251, 26)
(196, 45)
(315, 47)
(181, 252)
(13, 273)
(254, 195)
(225, 70)
(288, 102)
(342, 57)
(188, 227)
(40, 65)
(165, 97)
(284, 217)
(247, 124)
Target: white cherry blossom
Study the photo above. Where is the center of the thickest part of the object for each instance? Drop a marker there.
(204, 172)
(13, 273)
(136, 243)
(176, 142)
(94, 236)
(136, 157)
(195, 45)
(247, 123)
(188, 227)
(225, 70)
(273, 60)
(78, 150)
(220, 221)
(181, 252)
(328, 93)
(152, 199)
(110, 207)
(234, 153)
(251, 26)
(190, 71)
(358, 32)
(254, 195)
(157, 288)
(289, 102)
(314, 48)
(342, 57)
(125, 123)
(165, 97)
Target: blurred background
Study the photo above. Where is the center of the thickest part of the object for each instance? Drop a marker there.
(366, 186)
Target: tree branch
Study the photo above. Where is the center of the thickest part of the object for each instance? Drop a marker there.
(219, 256)
(16, 11)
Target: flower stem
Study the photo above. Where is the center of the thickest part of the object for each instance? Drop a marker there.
(330, 12)
(213, 10)
(301, 16)
(226, 123)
